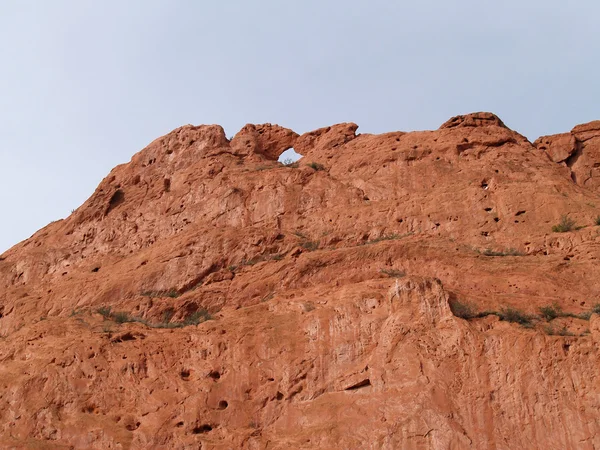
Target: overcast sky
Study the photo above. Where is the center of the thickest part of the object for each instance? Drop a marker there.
(84, 84)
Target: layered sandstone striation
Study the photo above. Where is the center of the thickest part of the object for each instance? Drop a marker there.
(332, 287)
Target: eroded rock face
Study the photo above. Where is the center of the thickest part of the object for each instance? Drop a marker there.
(267, 140)
(579, 150)
(479, 119)
(330, 286)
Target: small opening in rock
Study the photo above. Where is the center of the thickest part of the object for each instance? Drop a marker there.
(214, 374)
(496, 219)
(488, 209)
(484, 185)
(95, 269)
(364, 383)
(202, 429)
(520, 212)
(279, 396)
(179, 424)
(123, 338)
(167, 184)
(117, 198)
(289, 157)
(223, 404)
(185, 374)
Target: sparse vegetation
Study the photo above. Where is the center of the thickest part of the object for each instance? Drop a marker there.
(257, 259)
(507, 252)
(120, 317)
(388, 237)
(462, 309)
(172, 293)
(550, 313)
(393, 273)
(316, 166)
(288, 162)
(104, 311)
(586, 315)
(597, 220)
(552, 331)
(513, 315)
(566, 224)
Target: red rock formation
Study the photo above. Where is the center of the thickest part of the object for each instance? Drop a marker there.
(579, 151)
(331, 287)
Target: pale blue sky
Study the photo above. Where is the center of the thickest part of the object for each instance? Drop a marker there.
(84, 84)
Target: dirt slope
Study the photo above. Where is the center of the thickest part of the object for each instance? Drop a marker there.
(208, 297)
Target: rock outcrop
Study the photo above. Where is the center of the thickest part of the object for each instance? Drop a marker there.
(382, 293)
(578, 150)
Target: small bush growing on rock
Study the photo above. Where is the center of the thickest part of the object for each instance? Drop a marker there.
(513, 315)
(104, 311)
(121, 317)
(462, 310)
(550, 312)
(316, 166)
(172, 293)
(565, 224)
(198, 316)
(288, 162)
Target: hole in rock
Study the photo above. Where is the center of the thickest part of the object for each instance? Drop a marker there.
(279, 396)
(487, 209)
(124, 337)
(89, 409)
(364, 383)
(223, 404)
(202, 429)
(132, 426)
(95, 269)
(290, 156)
(117, 198)
(520, 212)
(185, 374)
(179, 424)
(484, 185)
(167, 184)
(214, 374)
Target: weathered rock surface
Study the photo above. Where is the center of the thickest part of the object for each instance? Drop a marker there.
(332, 287)
(578, 150)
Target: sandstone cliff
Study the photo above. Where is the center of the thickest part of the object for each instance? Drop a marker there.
(382, 293)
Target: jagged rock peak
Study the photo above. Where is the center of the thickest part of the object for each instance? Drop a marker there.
(478, 119)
